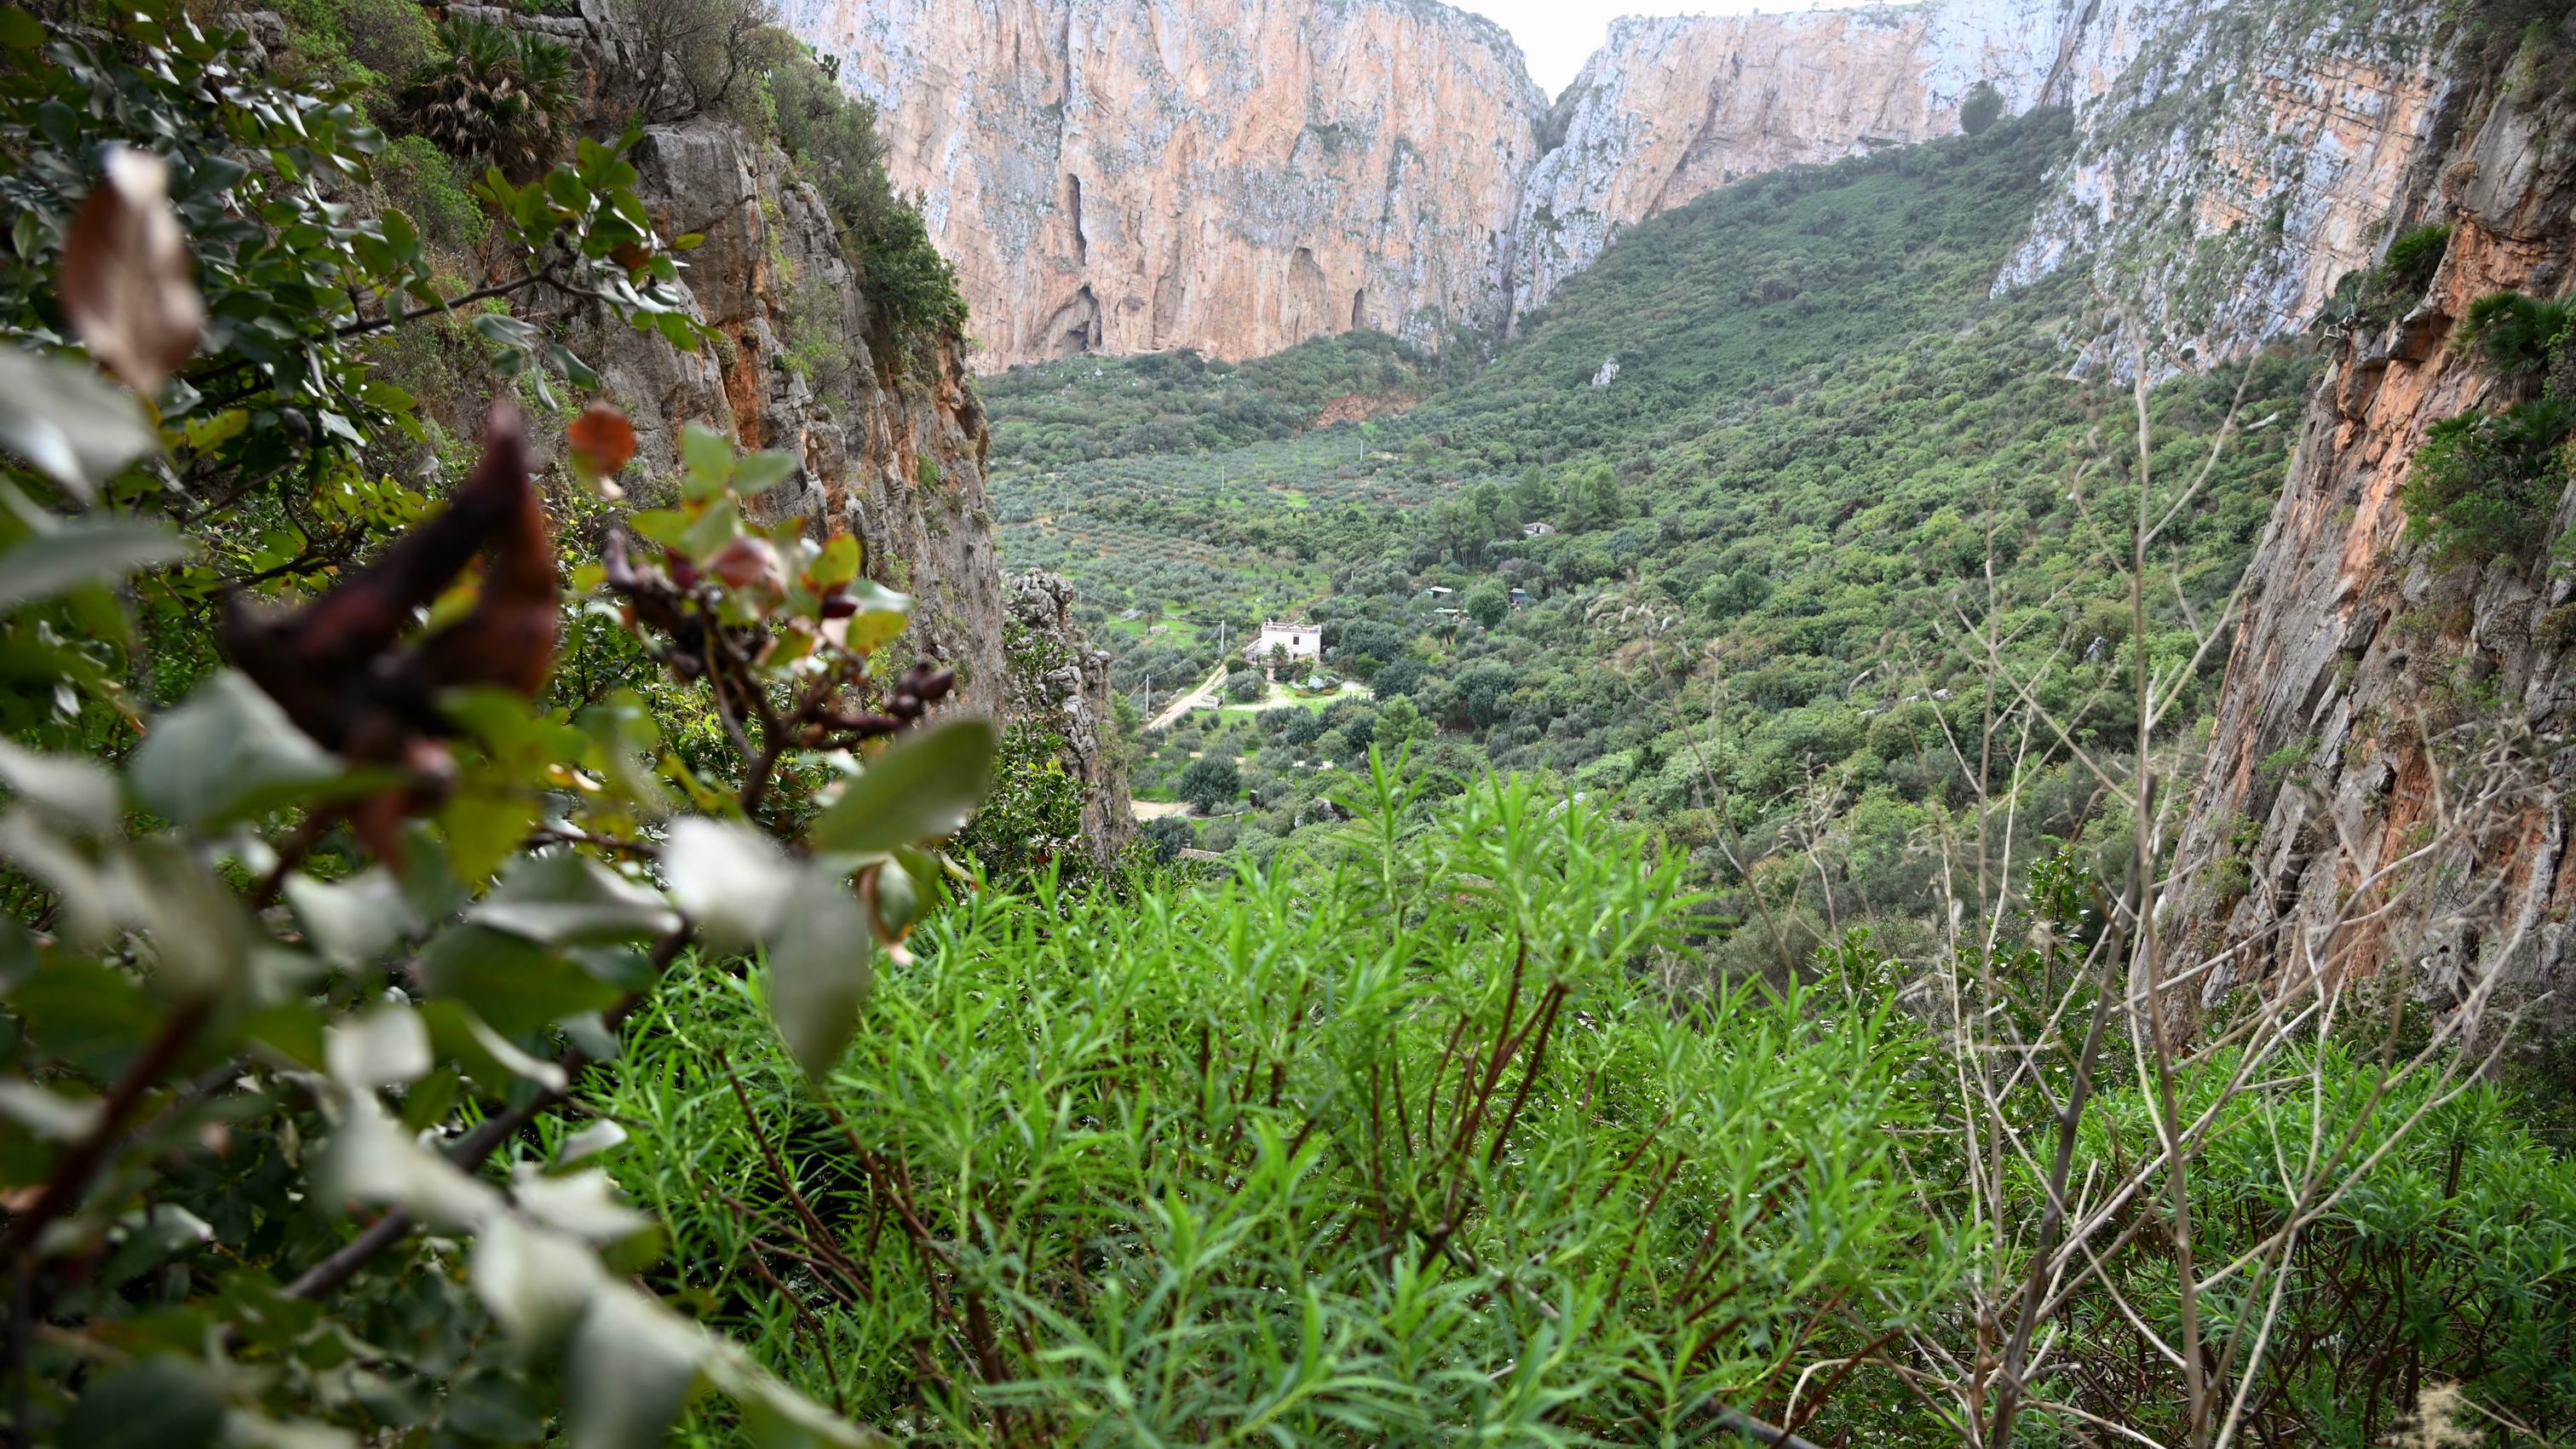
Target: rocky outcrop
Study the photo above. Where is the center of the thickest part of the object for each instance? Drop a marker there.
(893, 448)
(895, 457)
(2233, 163)
(2383, 788)
(1231, 175)
(1059, 683)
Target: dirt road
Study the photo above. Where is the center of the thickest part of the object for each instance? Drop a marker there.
(1207, 693)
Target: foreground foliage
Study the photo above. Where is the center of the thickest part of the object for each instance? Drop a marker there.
(302, 955)
(1398, 1152)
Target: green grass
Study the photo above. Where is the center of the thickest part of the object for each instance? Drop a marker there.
(1281, 695)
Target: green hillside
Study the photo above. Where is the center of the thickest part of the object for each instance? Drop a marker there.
(1771, 520)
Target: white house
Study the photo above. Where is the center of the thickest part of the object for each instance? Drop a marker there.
(1537, 530)
(1298, 640)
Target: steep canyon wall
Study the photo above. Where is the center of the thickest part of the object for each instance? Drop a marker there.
(1239, 175)
(1231, 175)
(2384, 786)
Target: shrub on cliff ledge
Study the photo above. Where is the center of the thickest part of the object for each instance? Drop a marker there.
(2518, 335)
(500, 95)
(1983, 107)
(2488, 484)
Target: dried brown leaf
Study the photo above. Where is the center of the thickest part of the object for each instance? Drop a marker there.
(128, 282)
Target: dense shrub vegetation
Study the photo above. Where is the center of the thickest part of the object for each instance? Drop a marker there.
(499, 95)
(1769, 535)
(1782, 532)
(1054, 415)
(1411, 1157)
(604, 997)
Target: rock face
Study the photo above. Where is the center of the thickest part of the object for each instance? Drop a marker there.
(2234, 161)
(2392, 726)
(893, 451)
(1239, 175)
(1231, 175)
(1671, 108)
(897, 460)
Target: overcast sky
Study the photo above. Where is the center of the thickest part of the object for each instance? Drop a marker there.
(1559, 35)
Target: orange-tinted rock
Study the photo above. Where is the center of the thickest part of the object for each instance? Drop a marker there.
(1230, 175)
(2383, 786)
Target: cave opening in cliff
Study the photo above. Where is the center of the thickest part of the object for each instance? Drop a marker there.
(1075, 329)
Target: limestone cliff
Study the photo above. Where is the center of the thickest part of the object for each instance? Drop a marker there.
(1672, 108)
(2393, 727)
(2234, 158)
(1231, 175)
(2234, 161)
(1239, 175)
(892, 452)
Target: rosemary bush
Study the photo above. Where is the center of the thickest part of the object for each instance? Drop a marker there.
(1401, 1151)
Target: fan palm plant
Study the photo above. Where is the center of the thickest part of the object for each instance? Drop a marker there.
(501, 95)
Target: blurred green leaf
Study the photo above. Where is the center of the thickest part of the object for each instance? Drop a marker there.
(373, 1160)
(882, 615)
(383, 1046)
(536, 1283)
(91, 896)
(354, 921)
(924, 786)
(760, 472)
(713, 529)
(74, 791)
(709, 457)
(199, 935)
(428, 1102)
(84, 1013)
(67, 420)
(820, 969)
(485, 826)
(729, 879)
(510, 981)
(898, 903)
(598, 1137)
(89, 551)
(230, 752)
(47, 1114)
(664, 526)
(584, 1204)
(495, 1062)
(159, 1403)
(633, 1364)
(563, 899)
(839, 562)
